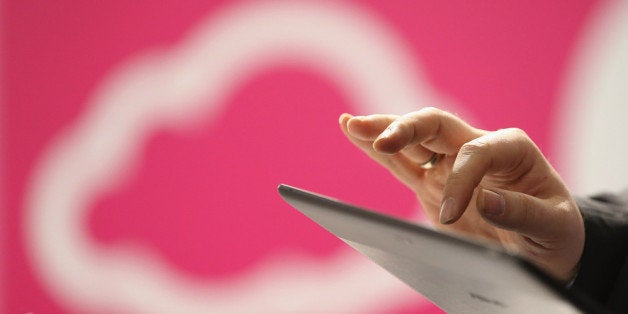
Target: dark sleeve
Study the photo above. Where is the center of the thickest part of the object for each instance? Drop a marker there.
(603, 273)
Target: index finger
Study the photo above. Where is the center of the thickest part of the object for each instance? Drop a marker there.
(434, 129)
(508, 152)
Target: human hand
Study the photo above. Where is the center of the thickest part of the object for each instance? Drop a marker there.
(495, 185)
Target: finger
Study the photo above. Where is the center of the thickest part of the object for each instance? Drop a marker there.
(398, 164)
(552, 225)
(502, 151)
(368, 128)
(436, 130)
(519, 212)
(417, 153)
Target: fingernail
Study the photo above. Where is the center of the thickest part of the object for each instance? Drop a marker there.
(494, 204)
(387, 132)
(447, 210)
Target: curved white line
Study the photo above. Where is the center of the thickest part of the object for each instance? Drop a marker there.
(171, 88)
(594, 110)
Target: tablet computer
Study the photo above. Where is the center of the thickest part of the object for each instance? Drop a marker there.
(458, 275)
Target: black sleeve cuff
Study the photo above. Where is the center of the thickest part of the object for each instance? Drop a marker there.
(606, 244)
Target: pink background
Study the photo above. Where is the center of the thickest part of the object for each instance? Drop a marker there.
(503, 62)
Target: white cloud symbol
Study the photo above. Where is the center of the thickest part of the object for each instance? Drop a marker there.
(172, 88)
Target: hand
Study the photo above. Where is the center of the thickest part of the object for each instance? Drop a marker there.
(494, 185)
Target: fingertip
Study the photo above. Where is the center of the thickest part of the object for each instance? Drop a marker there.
(355, 121)
(368, 128)
(358, 127)
(448, 211)
(389, 141)
(344, 118)
(384, 145)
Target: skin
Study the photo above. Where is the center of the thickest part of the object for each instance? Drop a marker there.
(491, 185)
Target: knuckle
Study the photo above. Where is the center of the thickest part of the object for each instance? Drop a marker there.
(517, 134)
(475, 147)
(431, 110)
(516, 131)
(519, 141)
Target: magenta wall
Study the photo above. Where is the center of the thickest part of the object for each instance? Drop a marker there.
(188, 219)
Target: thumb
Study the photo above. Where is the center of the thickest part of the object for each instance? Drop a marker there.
(518, 212)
